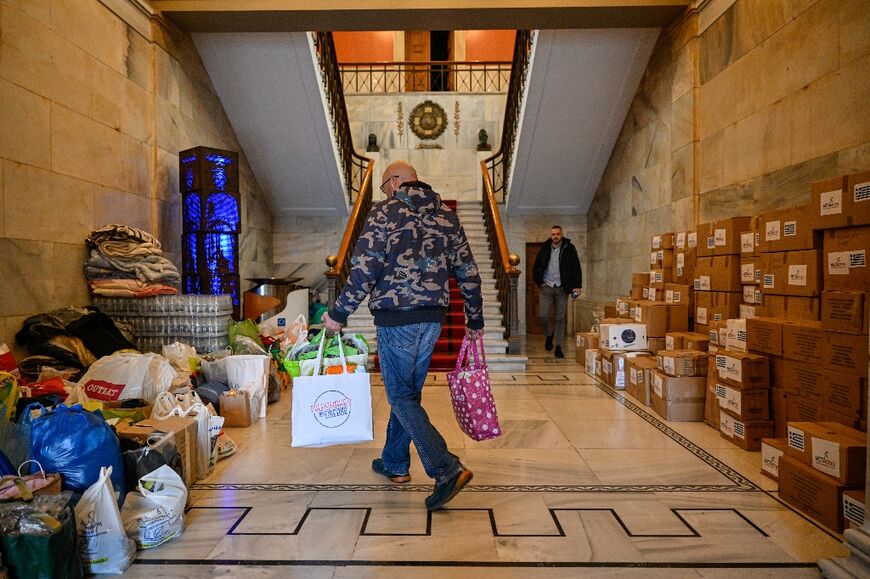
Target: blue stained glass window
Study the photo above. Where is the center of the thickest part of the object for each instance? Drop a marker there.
(192, 212)
(188, 178)
(220, 253)
(222, 213)
(191, 264)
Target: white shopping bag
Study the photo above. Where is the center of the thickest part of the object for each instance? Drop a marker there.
(250, 372)
(331, 409)
(103, 544)
(125, 375)
(154, 513)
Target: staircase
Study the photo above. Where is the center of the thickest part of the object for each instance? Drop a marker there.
(447, 348)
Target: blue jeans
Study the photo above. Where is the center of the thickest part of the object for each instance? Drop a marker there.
(405, 353)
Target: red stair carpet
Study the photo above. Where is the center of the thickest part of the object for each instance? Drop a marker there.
(448, 345)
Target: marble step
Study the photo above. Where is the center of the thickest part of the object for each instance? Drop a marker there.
(489, 310)
(495, 345)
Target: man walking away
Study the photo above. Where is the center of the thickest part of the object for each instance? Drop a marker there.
(404, 258)
(557, 272)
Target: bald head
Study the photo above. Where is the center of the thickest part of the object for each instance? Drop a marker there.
(401, 169)
(396, 173)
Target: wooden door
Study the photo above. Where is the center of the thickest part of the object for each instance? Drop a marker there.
(417, 50)
(533, 292)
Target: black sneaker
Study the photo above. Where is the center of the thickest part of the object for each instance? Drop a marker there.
(444, 492)
(378, 467)
(559, 353)
(549, 343)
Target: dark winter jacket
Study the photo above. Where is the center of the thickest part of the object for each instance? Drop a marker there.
(569, 265)
(408, 249)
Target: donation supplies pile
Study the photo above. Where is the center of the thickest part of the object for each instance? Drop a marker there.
(127, 262)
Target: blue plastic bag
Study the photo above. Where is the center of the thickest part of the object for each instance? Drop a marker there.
(76, 443)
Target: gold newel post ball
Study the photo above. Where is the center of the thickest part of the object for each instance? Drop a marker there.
(514, 259)
(331, 260)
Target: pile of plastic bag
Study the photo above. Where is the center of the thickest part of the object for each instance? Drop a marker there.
(301, 359)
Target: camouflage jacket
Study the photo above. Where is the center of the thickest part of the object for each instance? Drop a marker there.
(405, 255)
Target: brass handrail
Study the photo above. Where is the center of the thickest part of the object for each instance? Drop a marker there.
(339, 265)
(454, 76)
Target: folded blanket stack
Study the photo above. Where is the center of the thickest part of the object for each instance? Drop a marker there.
(127, 262)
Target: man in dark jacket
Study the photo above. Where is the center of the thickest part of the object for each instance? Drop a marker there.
(557, 272)
(405, 255)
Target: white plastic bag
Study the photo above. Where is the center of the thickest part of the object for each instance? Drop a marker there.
(251, 373)
(179, 355)
(103, 544)
(123, 375)
(166, 402)
(154, 513)
(79, 396)
(204, 446)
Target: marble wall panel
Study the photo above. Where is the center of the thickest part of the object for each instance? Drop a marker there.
(854, 22)
(2, 202)
(28, 267)
(682, 121)
(84, 148)
(804, 50)
(169, 225)
(135, 111)
(46, 206)
(846, 123)
(138, 59)
(166, 75)
(107, 95)
(137, 166)
(40, 60)
(712, 161)
(39, 10)
(166, 175)
(685, 70)
(70, 284)
(682, 172)
(24, 126)
(115, 206)
(729, 96)
(90, 26)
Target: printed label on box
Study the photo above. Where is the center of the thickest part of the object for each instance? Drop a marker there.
(677, 297)
(789, 229)
(669, 343)
(770, 459)
(797, 275)
(658, 386)
(826, 456)
(680, 271)
(657, 241)
(681, 260)
(704, 283)
(838, 262)
(696, 283)
(732, 400)
(714, 336)
(580, 342)
(659, 277)
(758, 296)
(747, 273)
(757, 238)
(638, 311)
(720, 237)
(796, 438)
(608, 366)
(831, 203)
(717, 317)
(681, 240)
(692, 239)
(653, 292)
(747, 242)
(721, 393)
(853, 510)
(857, 259)
(668, 365)
(632, 376)
(739, 430)
(757, 274)
(746, 311)
(771, 231)
(729, 368)
(622, 306)
(701, 315)
(861, 192)
(632, 312)
(726, 424)
(749, 294)
(711, 242)
(767, 281)
(652, 277)
(652, 258)
(645, 293)
(669, 296)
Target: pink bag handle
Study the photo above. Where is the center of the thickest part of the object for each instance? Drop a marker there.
(463, 353)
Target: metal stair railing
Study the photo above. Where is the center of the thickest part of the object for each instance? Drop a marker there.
(356, 168)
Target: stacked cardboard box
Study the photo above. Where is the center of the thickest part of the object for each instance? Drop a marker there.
(618, 340)
(685, 256)
(639, 285)
(718, 287)
(679, 385)
(821, 460)
(741, 383)
(585, 341)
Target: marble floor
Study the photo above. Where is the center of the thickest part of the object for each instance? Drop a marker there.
(585, 481)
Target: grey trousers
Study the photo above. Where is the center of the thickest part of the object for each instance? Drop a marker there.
(556, 298)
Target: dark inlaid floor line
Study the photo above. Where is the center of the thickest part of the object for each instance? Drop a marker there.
(471, 564)
(599, 488)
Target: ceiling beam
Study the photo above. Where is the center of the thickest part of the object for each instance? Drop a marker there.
(301, 15)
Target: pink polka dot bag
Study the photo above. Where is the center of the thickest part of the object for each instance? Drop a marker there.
(473, 404)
